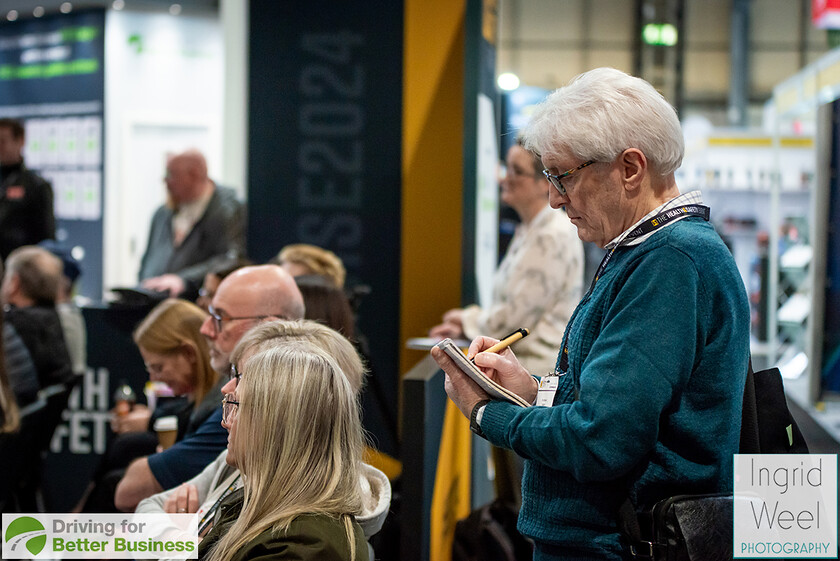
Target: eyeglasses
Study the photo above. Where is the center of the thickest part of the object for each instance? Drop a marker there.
(234, 374)
(228, 407)
(556, 179)
(218, 318)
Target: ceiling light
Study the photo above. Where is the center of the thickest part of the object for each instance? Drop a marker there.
(508, 81)
(66, 7)
(118, 4)
(12, 15)
(38, 11)
(175, 9)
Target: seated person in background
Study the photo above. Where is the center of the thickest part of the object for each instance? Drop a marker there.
(9, 414)
(202, 494)
(20, 370)
(200, 225)
(296, 436)
(304, 259)
(175, 353)
(72, 322)
(327, 304)
(214, 278)
(246, 297)
(539, 281)
(29, 288)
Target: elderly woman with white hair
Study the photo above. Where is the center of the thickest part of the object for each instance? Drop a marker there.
(645, 399)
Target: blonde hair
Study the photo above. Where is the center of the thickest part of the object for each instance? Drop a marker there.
(317, 260)
(271, 333)
(299, 443)
(172, 325)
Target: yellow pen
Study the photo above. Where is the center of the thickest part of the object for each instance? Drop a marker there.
(507, 341)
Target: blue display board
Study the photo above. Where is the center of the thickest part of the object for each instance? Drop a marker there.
(52, 78)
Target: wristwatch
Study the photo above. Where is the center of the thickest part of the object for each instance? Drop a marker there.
(474, 426)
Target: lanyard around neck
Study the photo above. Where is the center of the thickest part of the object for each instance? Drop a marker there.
(647, 227)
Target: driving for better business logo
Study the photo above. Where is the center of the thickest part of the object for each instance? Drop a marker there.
(26, 532)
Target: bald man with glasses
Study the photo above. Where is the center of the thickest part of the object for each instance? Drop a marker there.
(244, 299)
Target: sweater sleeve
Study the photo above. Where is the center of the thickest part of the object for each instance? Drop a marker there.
(639, 361)
(186, 458)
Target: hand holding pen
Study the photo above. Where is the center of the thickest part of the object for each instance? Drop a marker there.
(505, 342)
(505, 369)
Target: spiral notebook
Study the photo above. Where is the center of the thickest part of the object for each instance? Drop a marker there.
(492, 388)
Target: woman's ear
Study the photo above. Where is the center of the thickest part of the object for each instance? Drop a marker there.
(633, 168)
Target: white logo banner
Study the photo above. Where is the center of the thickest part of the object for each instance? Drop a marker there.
(100, 536)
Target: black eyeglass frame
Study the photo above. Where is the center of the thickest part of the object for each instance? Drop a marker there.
(218, 319)
(234, 374)
(557, 179)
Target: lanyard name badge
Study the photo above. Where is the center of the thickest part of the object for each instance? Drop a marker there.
(643, 229)
(548, 387)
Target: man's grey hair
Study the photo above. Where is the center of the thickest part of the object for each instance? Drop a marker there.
(39, 271)
(603, 112)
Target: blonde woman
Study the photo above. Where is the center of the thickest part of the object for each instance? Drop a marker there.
(176, 353)
(204, 493)
(296, 437)
(305, 259)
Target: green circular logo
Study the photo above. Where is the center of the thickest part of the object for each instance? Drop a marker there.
(28, 531)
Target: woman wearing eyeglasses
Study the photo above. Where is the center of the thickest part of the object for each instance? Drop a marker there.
(175, 353)
(539, 281)
(296, 437)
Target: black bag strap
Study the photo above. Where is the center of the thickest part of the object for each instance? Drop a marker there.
(628, 526)
(749, 443)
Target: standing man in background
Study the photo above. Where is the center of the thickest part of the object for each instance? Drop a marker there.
(200, 225)
(26, 198)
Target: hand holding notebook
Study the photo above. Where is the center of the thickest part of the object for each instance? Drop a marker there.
(485, 383)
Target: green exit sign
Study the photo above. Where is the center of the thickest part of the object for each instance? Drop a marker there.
(662, 34)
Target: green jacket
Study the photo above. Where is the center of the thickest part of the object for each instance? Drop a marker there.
(316, 537)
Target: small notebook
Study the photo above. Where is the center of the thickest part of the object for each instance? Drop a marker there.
(492, 388)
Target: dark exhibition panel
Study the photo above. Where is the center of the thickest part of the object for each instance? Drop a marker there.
(324, 159)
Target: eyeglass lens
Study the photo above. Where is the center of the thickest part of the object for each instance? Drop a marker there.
(228, 406)
(234, 374)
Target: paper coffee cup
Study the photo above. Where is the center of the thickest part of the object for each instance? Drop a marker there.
(167, 431)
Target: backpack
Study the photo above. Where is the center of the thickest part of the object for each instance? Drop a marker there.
(767, 426)
(489, 534)
(699, 527)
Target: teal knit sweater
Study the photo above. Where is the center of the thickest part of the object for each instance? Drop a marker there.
(657, 359)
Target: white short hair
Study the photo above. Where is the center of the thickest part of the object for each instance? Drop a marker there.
(603, 112)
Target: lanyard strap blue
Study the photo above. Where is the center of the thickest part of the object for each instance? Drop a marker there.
(648, 226)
